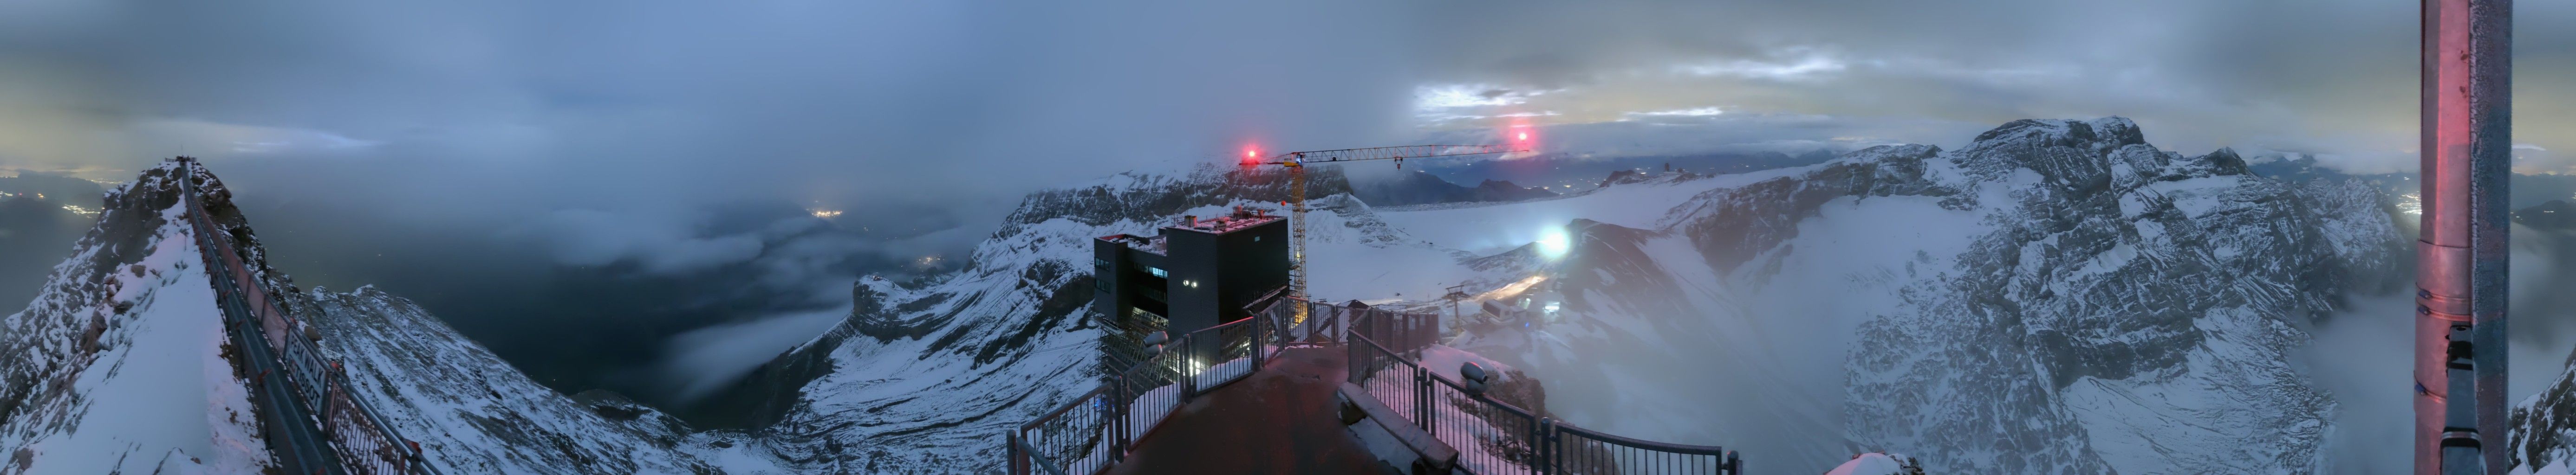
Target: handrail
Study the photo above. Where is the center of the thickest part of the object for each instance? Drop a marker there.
(1115, 423)
(1643, 444)
(328, 390)
(1038, 460)
(1060, 411)
(1549, 450)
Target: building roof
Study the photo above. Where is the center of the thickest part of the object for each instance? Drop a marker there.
(1154, 244)
(1226, 224)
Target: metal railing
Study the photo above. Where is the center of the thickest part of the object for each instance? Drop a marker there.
(1079, 437)
(1093, 431)
(1493, 437)
(362, 441)
(1225, 353)
(1578, 451)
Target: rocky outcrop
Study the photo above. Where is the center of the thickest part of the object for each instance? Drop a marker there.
(473, 413)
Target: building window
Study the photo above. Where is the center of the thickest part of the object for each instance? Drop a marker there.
(1158, 272)
(1100, 274)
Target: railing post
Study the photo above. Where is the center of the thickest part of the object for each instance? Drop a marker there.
(1351, 350)
(1117, 413)
(1189, 376)
(1018, 460)
(1423, 399)
(1540, 457)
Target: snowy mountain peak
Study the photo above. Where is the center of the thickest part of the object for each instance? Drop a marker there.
(120, 364)
(123, 365)
(2065, 152)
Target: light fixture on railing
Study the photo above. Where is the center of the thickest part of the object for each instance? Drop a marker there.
(1475, 378)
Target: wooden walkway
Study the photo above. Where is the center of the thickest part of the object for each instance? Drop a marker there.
(1282, 419)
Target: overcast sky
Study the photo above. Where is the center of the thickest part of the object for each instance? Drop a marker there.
(647, 104)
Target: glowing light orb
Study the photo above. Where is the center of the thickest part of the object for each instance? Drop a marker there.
(1553, 243)
(1524, 136)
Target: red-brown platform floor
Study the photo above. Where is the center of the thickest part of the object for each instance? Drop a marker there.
(1281, 419)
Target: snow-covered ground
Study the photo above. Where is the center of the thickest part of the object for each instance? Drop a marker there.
(472, 413)
(1871, 464)
(1763, 311)
(152, 391)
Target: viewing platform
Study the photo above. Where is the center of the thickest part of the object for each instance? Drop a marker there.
(1280, 419)
(1303, 387)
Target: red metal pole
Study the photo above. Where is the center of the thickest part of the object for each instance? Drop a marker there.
(2461, 256)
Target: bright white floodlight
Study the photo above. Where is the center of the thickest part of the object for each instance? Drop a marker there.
(1552, 243)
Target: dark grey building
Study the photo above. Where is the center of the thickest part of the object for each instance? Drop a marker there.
(1196, 274)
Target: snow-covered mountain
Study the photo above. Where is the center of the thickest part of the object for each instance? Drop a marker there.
(122, 366)
(473, 413)
(2056, 297)
(1421, 187)
(470, 411)
(926, 377)
(118, 366)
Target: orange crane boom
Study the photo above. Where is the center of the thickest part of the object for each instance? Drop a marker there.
(1296, 162)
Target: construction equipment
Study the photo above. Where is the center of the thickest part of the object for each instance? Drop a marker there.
(1296, 162)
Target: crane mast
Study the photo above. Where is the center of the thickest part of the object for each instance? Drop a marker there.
(1296, 162)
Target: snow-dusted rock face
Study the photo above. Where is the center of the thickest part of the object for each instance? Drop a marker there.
(122, 366)
(473, 413)
(927, 377)
(119, 365)
(2130, 310)
(2544, 426)
(2055, 297)
(470, 411)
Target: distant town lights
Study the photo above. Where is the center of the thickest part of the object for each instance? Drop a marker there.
(826, 213)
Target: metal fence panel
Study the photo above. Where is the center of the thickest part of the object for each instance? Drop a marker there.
(1077, 437)
(1493, 437)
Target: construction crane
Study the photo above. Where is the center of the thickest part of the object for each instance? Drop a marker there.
(1296, 162)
